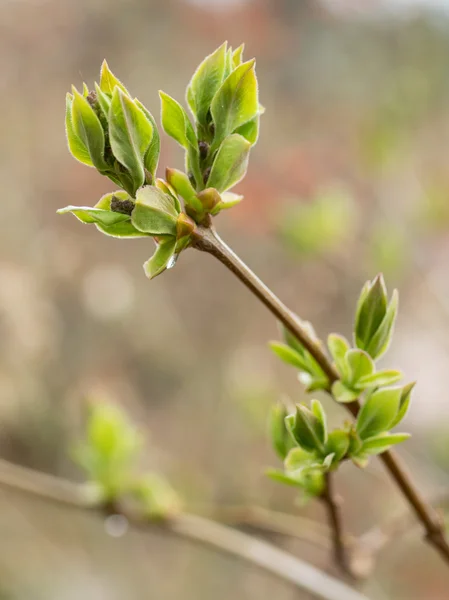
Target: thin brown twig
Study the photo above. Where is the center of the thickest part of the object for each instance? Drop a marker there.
(332, 505)
(195, 528)
(208, 241)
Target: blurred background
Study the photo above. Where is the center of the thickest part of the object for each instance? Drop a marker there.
(349, 178)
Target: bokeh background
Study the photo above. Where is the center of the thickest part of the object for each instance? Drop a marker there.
(349, 178)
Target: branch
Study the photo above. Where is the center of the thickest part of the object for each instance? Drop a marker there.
(259, 553)
(208, 241)
(332, 504)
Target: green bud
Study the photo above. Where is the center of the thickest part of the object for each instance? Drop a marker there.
(180, 182)
(375, 318)
(308, 430)
(209, 199)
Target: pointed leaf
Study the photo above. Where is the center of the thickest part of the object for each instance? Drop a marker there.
(250, 130)
(337, 444)
(86, 214)
(88, 128)
(298, 458)
(236, 102)
(205, 82)
(288, 355)
(339, 347)
(130, 134)
(228, 200)
(281, 477)
(76, 145)
(307, 430)
(176, 122)
(230, 163)
(108, 81)
(318, 411)
(154, 212)
(161, 258)
(380, 342)
(379, 379)
(237, 55)
(151, 158)
(378, 412)
(280, 437)
(383, 442)
(404, 403)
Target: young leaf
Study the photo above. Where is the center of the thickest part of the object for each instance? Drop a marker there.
(378, 412)
(236, 102)
(359, 365)
(130, 134)
(182, 186)
(205, 82)
(230, 163)
(76, 145)
(383, 442)
(379, 379)
(339, 347)
(342, 393)
(280, 437)
(404, 403)
(370, 312)
(281, 477)
(298, 458)
(86, 214)
(151, 158)
(318, 411)
(380, 341)
(250, 130)
(88, 129)
(237, 56)
(175, 122)
(154, 212)
(228, 200)
(337, 444)
(108, 81)
(161, 258)
(288, 355)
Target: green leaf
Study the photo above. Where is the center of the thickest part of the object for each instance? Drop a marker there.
(228, 200)
(236, 102)
(288, 355)
(108, 81)
(379, 379)
(103, 100)
(87, 127)
(130, 134)
(154, 212)
(378, 412)
(86, 214)
(76, 145)
(370, 312)
(308, 430)
(280, 436)
(237, 56)
(281, 477)
(338, 347)
(298, 458)
(161, 258)
(318, 411)
(230, 163)
(404, 402)
(383, 442)
(205, 82)
(176, 122)
(250, 130)
(337, 444)
(151, 158)
(359, 365)
(380, 342)
(342, 393)
(122, 229)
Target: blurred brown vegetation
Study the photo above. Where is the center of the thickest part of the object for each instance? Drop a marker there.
(353, 144)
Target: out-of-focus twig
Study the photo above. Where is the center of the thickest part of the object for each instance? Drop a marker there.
(258, 552)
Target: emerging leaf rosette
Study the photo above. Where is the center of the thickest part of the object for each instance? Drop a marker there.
(223, 98)
(116, 134)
